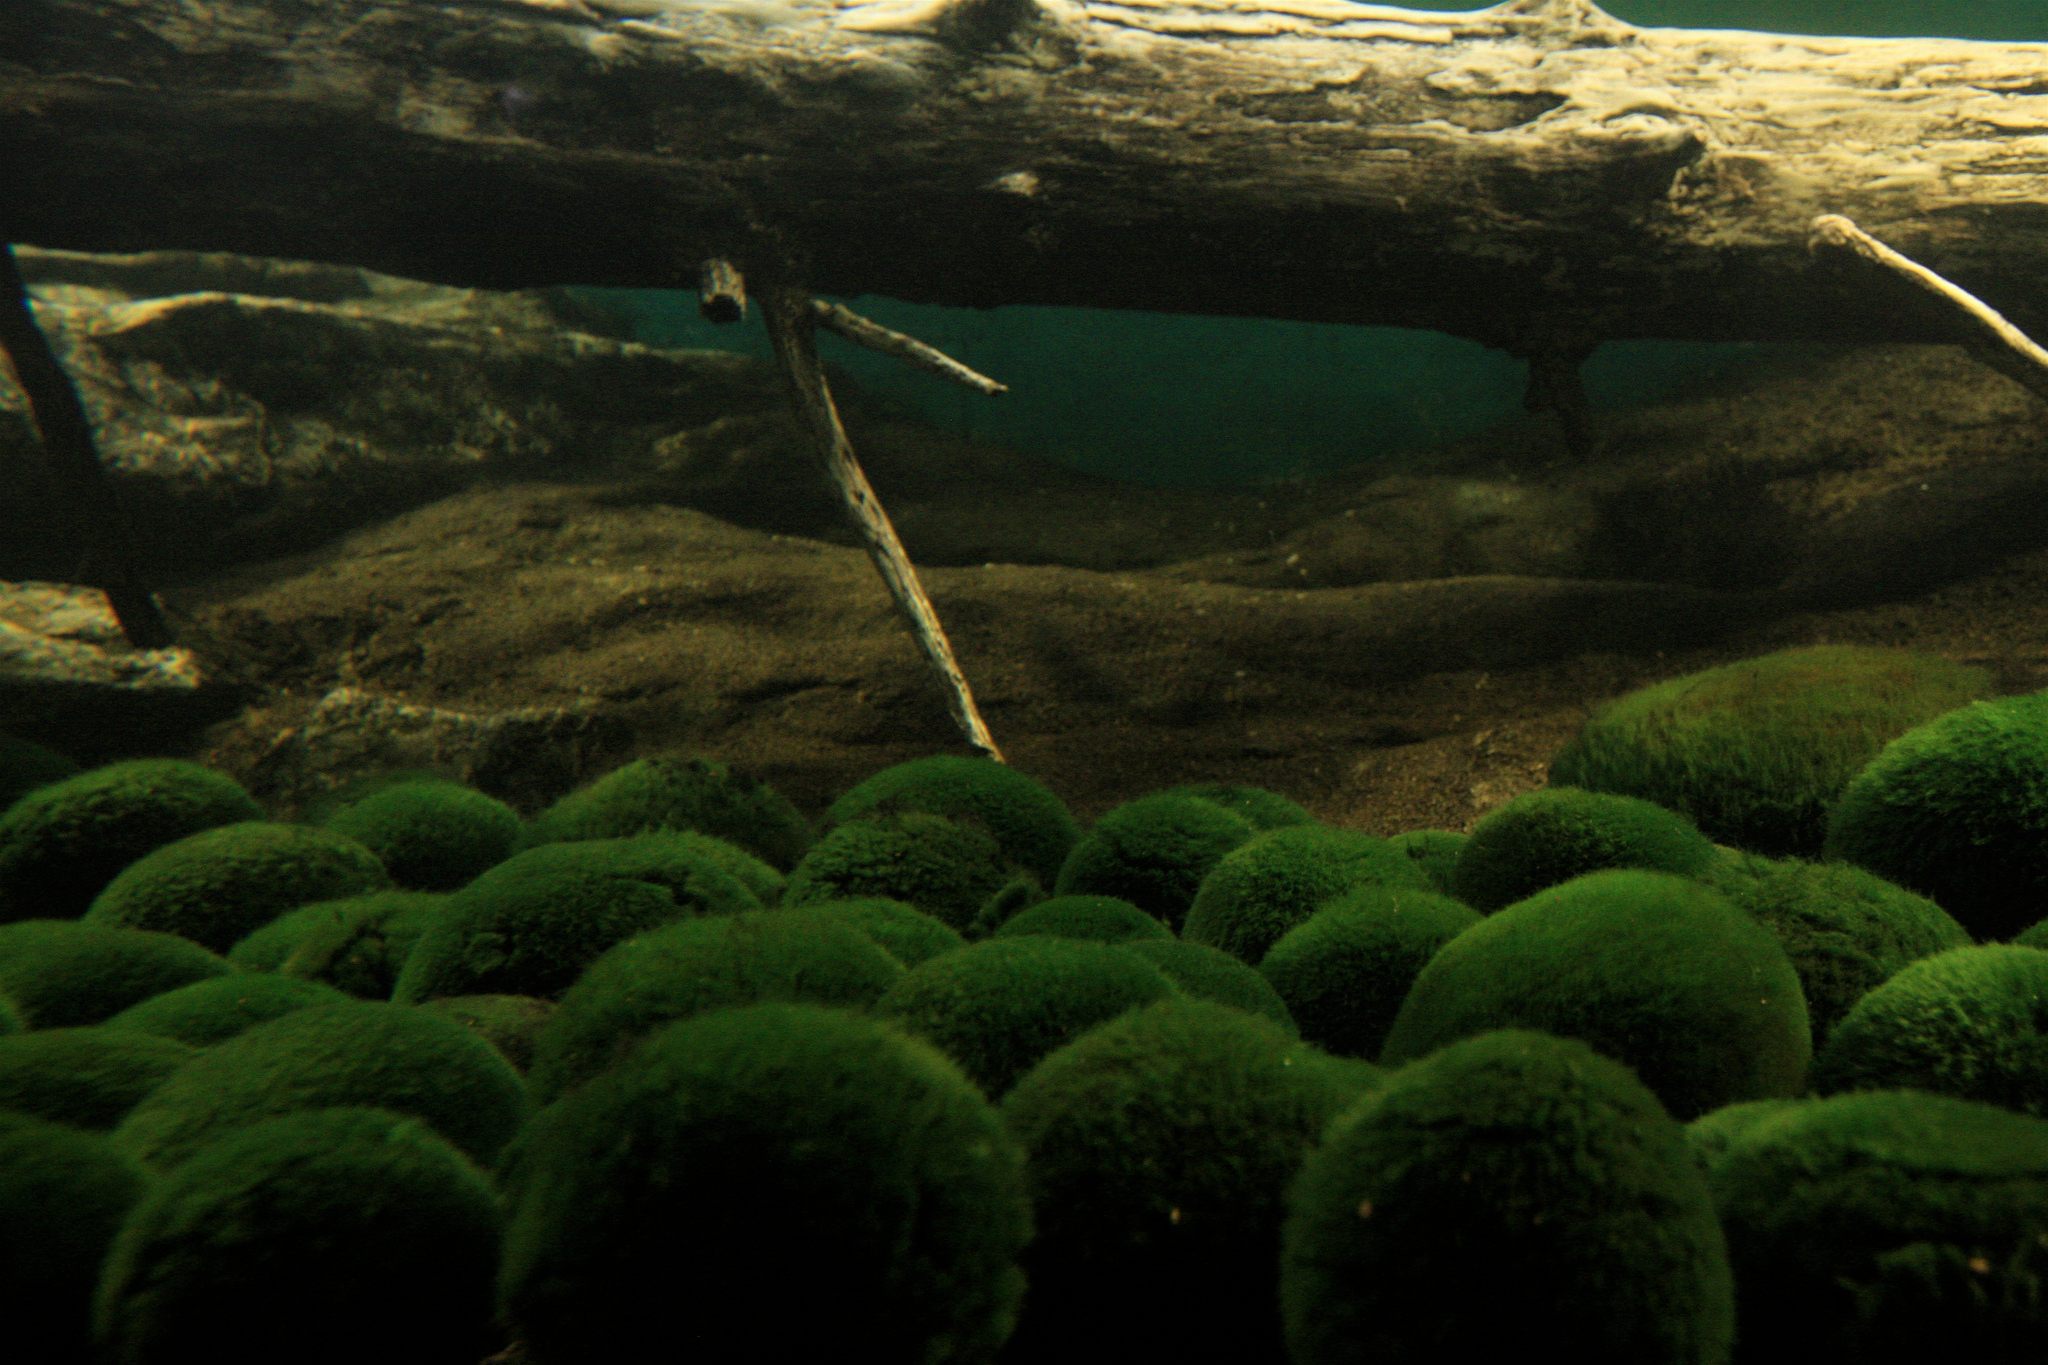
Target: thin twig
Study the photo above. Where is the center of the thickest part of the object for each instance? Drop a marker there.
(873, 335)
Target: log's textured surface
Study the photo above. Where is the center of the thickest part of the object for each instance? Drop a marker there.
(1537, 175)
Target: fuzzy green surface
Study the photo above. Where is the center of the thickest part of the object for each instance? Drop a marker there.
(1153, 852)
(1274, 881)
(937, 864)
(509, 1023)
(1958, 811)
(1755, 752)
(998, 1006)
(63, 842)
(380, 1056)
(220, 885)
(698, 965)
(1847, 930)
(1549, 836)
(61, 972)
(1212, 974)
(64, 1193)
(1652, 970)
(1713, 1134)
(1260, 808)
(532, 935)
(1158, 1150)
(1888, 1228)
(674, 793)
(87, 1077)
(1344, 971)
(331, 1237)
(1103, 919)
(1512, 1184)
(356, 944)
(705, 875)
(10, 1017)
(779, 1182)
(1435, 851)
(206, 1012)
(1971, 1022)
(26, 765)
(906, 932)
(431, 834)
(1033, 826)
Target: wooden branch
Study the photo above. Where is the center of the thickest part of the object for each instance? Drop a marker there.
(1535, 174)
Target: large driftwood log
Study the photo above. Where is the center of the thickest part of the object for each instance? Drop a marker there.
(1536, 175)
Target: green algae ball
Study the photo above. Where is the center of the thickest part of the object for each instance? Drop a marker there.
(1653, 970)
(944, 868)
(87, 1077)
(1260, 808)
(1971, 1022)
(1158, 1150)
(1846, 930)
(998, 1006)
(63, 842)
(358, 1053)
(509, 1023)
(220, 885)
(26, 765)
(1212, 974)
(1957, 810)
(1435, 851)
(431, 834)
(1032, 826)
(1274, 881)
(706, 876)
(334, 1236)
(698, 965)
(10, 1017)
(1714, 1133)
(356, 944)
(63, 1195)
(206, 1012)
(778, 1182)
(1755, 752)
(908, 933)
(1153, 852)
(1104, 919)
(61, 972)
(1344, 971)
(1545, 837)
(1887, 1228)
(1513, 1183)
(674, 793)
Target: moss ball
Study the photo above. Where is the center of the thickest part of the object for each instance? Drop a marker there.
(64, 1193)
(381, 1056)
(431, 834)
(1212, 974)
(1104, 919)
(706, 876)
(220, 1007)
(10, 1018)
(1845, 929)
(906, 932)
(219, 885)
(63, 842)
(779, 1182)
(60, 972)
(1755, 752)
(1435, 851)
(334, 1236)
(1158, 1150)
(1971, 1022)
(677, 793)
(1345, 970)
(1957, 810)
(942, 867)
(1153, 852)
(1031, 825)
(509, 1023)
(1887, 1228)
(86, 1077)
(1512, 1183)
(1653, 970)
(356, 944)
(698, 965)
(1274, 881)
(998, 1006)
(1545, 837)
(528, 935)
(26, 765)
(1258, 807)
(1714, 1133)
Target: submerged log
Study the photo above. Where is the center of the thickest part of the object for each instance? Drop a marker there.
(1537, 175)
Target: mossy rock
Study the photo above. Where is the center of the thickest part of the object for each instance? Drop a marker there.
(1655, 971)
(63, 842)
(356, 944)
(218, 1008)
(1159, 1148)
(1957, 810)
(1274, 881)
(747, 1154)
(431, 834)
(1153, 852)
(220, 885)
(906, 932)
(944, 868)
(358, 1053)
(1344, 971)
(676, 793)
(59, 973)
(86, 1077)
(706, 876)
(64, 1193)
(26, 765)
(1257, 806)
(1102, 919)
(1512, 1183)
(509, 1023)
(699, 965)
(336, 1235)
(1435, 851)
(1032, 826)
(1544, 837)
(1212, 974)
